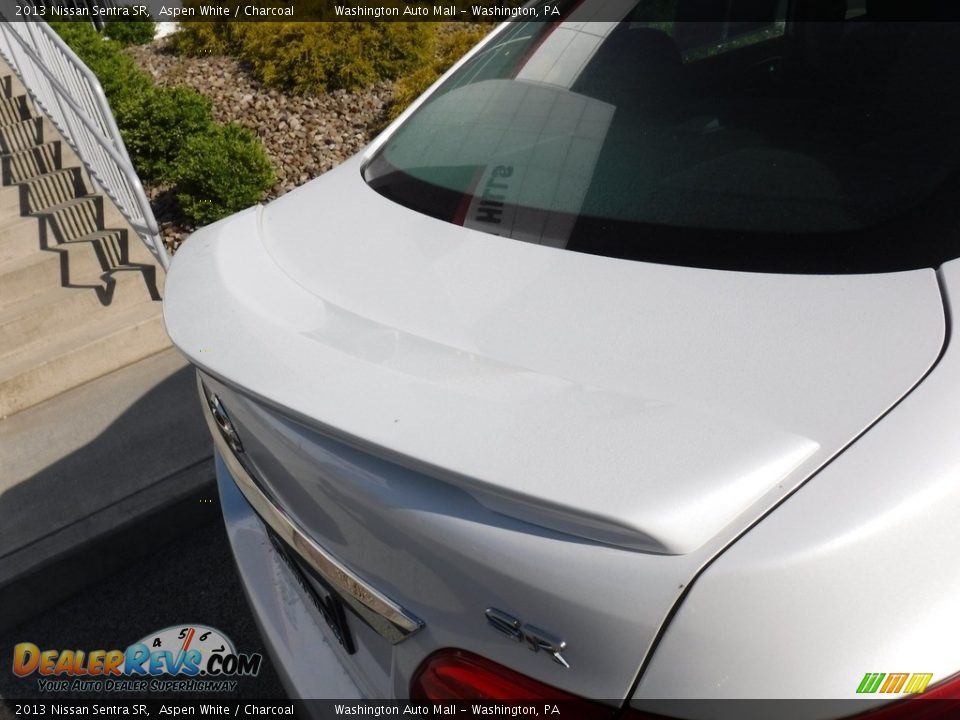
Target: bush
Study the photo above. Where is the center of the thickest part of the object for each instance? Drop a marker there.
(203, 38)
(170, 134)
(309, 57)
(220, 172)
(118, 73)
(130, 29)
(157, 123)
(154, 121)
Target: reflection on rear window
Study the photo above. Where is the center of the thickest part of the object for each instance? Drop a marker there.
(760, 141)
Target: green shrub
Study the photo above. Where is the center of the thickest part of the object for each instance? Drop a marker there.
(153, 121)
(131, 29)
(309, 57)
(170, 134)
(118, 73)
(220, 172)
(156, 124)
(203, 38)
(452, 44)
(78, 35)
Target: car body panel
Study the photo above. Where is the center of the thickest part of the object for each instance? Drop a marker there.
(856, 573)
(280, 608)
(431, 405)
(451, 335)
(469, 421)
(432, 548)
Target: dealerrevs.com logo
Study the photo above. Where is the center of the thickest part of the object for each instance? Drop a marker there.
(183, 658)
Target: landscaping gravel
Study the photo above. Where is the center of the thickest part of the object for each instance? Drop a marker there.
(303, 136)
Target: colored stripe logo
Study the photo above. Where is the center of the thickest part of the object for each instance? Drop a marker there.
(894, 683)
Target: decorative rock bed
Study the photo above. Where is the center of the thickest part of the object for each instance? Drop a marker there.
(303, 136)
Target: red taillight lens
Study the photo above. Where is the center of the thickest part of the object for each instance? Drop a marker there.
(450, 675)
(461, 675)
(938, 702)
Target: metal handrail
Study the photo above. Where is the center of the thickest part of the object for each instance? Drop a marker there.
(68, 92)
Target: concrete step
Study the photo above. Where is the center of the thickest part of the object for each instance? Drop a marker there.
(64, 199)
(9, 204)
(118, 251)
(53, 312)
(14, 110)
(78, 297)
(72, 219)
(27, 275)
(26, 134)
(53, 189)
(26, 164)
(75, 221)
(19, 236)
(10, 85)
(112, 246)
(100, 427)
(82, 263)
(116, 337)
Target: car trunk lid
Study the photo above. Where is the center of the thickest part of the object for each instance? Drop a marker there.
(467, 421)
(642, 405)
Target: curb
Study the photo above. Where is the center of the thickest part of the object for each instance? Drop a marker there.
(80, 555)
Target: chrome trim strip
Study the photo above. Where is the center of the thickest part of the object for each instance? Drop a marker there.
(378, 611)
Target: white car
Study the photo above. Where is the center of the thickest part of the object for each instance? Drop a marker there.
(622, 366)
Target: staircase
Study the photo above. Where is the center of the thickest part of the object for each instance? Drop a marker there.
(104, 454)
(79, 293)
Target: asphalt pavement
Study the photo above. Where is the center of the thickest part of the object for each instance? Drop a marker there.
(190, 581)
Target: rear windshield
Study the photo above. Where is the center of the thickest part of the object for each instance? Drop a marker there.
(757, 141)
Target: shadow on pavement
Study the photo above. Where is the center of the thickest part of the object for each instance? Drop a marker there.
(189, 581)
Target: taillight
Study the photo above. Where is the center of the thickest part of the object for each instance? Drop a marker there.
(938, 702)
(461, 675)
(449, 675)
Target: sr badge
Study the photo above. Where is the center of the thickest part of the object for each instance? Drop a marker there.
(535, 638)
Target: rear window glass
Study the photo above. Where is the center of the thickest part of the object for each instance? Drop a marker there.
(755, 139)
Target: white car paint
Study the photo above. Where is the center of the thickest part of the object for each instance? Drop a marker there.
(416, 389)
(854, 574)
(437, 335)
(426, 382)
